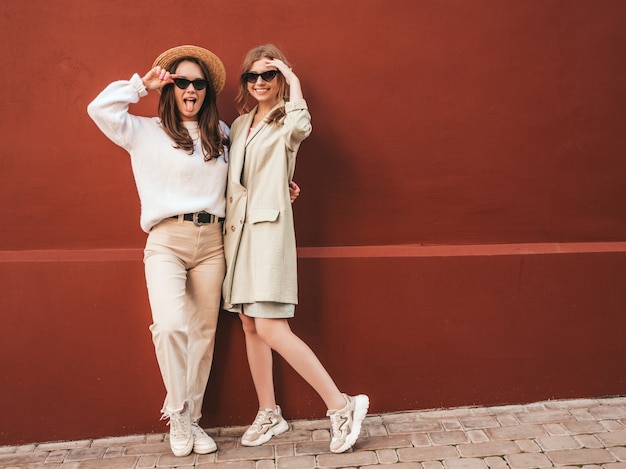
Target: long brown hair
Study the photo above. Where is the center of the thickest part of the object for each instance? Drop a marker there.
(211, 137)
(269, 51)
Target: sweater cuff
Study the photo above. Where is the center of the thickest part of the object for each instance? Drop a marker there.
(297, 105)
(136, 83)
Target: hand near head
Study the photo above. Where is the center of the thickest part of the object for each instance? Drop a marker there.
(282, 68)
(157, 78)
(295, 91)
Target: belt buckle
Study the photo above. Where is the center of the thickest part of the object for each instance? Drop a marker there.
(196, 220)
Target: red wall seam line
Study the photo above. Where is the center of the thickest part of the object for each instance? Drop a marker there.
(64, 255)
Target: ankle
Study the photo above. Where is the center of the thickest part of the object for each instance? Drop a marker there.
(340, 404)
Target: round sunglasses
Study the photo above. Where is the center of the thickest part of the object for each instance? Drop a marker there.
(252, 77)
(198, 83)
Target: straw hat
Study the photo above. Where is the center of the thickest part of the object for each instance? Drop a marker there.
(212, 61)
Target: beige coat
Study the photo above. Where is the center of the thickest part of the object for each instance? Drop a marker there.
(259, 237)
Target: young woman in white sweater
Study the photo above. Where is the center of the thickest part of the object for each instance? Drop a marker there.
(180, 162)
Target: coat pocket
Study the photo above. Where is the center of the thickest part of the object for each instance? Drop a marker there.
(263, 214)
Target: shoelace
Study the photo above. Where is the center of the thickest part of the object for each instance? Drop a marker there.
(197, 429)
(336, 421)
(177, 426)
(262, 417)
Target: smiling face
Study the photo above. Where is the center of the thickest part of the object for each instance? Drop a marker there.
(189, 101)
(266, 93)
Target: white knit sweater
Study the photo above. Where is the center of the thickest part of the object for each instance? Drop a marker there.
(169, 180)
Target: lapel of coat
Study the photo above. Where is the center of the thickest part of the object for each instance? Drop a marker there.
(248, 123)
(237, 157)
(262, 124)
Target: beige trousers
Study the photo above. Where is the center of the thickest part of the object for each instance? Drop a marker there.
(185, 267)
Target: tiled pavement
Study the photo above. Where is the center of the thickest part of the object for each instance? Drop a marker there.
(588, 433)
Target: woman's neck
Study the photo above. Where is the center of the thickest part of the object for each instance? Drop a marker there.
(261, 111)
(266, 106)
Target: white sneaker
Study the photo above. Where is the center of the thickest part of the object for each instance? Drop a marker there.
(346, 422)
(266, 425)
(202, 443)
(181, 437)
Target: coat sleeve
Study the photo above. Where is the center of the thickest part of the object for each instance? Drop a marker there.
(297, 123)
(109, 110)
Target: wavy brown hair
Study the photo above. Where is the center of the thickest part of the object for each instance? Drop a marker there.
(213, 142)
(269, 51)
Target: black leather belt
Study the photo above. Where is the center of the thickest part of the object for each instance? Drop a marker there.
(201, 218)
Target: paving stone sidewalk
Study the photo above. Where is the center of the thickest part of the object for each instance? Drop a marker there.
(588, 433)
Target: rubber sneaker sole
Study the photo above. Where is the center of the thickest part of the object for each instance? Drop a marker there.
(282, 427)
(205, 448)
(181, 451)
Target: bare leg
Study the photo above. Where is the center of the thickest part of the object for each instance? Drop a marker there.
(260, 363)
(277, 335)
(346, 413)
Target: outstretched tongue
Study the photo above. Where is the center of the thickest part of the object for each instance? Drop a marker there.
(189, 105)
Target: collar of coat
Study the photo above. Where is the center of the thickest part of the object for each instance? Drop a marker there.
(250, 117)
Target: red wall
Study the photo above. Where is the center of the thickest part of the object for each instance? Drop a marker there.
(492, 131)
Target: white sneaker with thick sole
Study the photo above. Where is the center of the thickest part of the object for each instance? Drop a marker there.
(202, 443)
(346, 422)
(181, 436)
(266, 425)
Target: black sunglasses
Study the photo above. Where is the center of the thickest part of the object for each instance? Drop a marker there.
(198, 83)
(252, 77)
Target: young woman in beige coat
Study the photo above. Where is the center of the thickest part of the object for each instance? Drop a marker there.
(260, 246)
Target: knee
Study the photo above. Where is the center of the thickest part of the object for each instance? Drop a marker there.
(271, 330)
(167, 327)
(248, 325)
